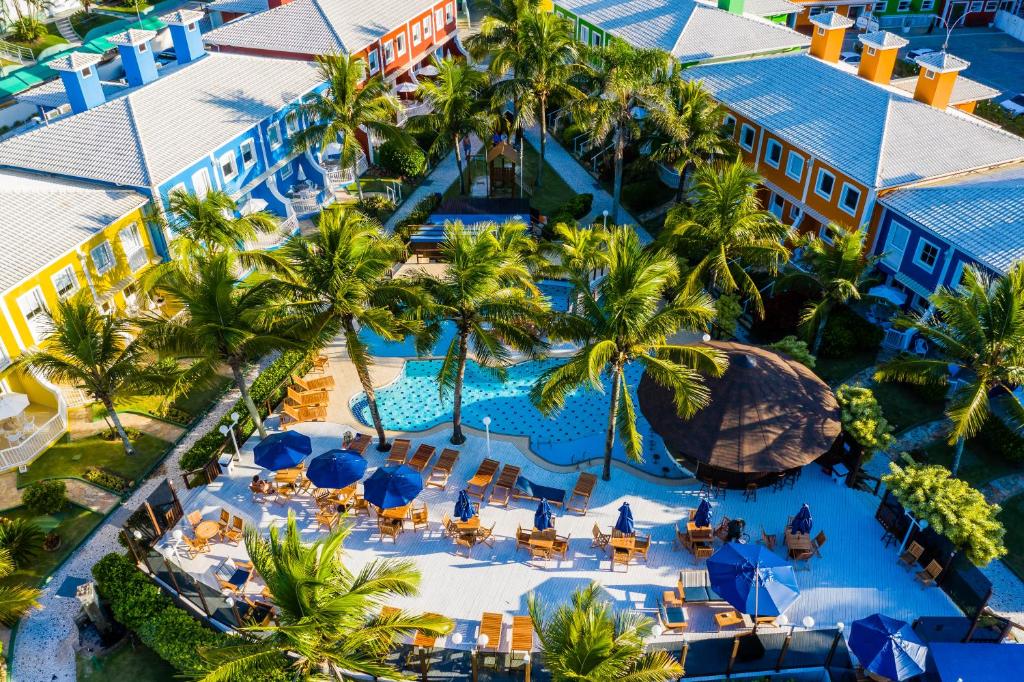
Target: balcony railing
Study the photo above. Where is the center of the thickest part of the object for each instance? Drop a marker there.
(269, 240)
(342, 175)
(137, 259)
(410, 109)
(30, 448)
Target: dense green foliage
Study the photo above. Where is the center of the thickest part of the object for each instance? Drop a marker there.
(862, 417)
(419, 215)
(1002, 440)
(376, 206)
(107, 479)
(406, 160)
(846, 332)
(796, 349)
(45, 497)
(728, 310)
(22, 539)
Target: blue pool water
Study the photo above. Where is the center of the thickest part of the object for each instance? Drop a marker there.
(576, 433)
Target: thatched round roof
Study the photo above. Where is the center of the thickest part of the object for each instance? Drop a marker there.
(768, 413)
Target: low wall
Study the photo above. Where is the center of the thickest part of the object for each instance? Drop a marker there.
(1010, 24)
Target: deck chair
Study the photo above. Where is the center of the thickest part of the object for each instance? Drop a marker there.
(319, 384)
(195, 518)
(360, 443)
(421, 458)
(233, 533)
(195, 546)
(672, 617)
(291, 415)
(600, 539)
(767, 540)
(399, 451)
(481, 481)
(501, 493)
(320, 364)
(306, 398)
(817, 543)
(912, 555)
(490, 625)
(442, 469)
(930, 573)
(579, 500)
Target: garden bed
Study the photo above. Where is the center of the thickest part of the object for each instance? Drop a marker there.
(73, 525)
(182, 411)
(138, 663)
(70, 458)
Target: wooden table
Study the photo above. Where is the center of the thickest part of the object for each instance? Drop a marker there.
(471, 524)
(624, 542)
(207, 529)
(286, 476)
(398, 513)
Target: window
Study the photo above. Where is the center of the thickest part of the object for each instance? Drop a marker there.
(389, 52)
(248, 152)
(773, 153)
(449, 13)
(927, 5)
(794, 166)
(33, 308)
(86, 72)
(286, 172)
(134, 250)
(65, 282)
(595, 40)
(400, 44)
(747, 137)
(291, 123)
(777, 205)
(729, 125)
(895, 245)
(929, 74)
(439, 20)
(957, 281)
(904, 6)
(820, 31)
(826, 183)
(871, 51)
(849, 200)
(991, 6)
(927, 255)
(426, 27)
(416, 34)
(274, 135)
(373, 60)
(201, 184)
(102, 257)
(976, 6)
(228, 167)
(880, 6)
(584, 34)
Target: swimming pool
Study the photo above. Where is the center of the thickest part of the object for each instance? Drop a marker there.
(576, 433)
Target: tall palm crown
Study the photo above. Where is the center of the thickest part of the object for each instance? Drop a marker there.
(979, 331)
(620, 79)
(459, 109)
(585, 640)
(689, 129)
(339, 279)
(221, 320)
(330, 618)
(627, 320)
(487, 290)
(839, 272)
(579, 252)
(345, 107)
(500, 26)
(96, 353)
(726, 231)
(15, 600)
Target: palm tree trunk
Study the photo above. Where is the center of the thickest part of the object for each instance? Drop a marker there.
(543, 140)
(458, 438)
(684, 172)
(613, 410)
(363, 372)
(236, 370)
(128, 449)
(458, 162)
(355, 175)
(958, 452)
(820, 335)
(620, 151)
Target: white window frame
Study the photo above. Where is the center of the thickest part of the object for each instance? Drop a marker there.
(927, 5)
(977, 6)
(768, 147)
(871, 51)
(820, 31)
(201, 183)
(847, 188)
(449, 14)
(67, 271)
(753, 136)
(729, 123)
(426, 28)
(584, 34)
(39, 312)
(438, 20)
(416, 33)
(880, 6)
(373, 61)
(227, 160)
(929, 74)
(291, 122)
(274, 135)
(247, 148)
(991, 5)
(103, 265)
(596, 39)
(903, 6)
(131, 243)
(922, 243)
(286, 172)
(789, 165)
(389, 52)
(817, 184)
(777, 205)
(892, 255)
(400, 44)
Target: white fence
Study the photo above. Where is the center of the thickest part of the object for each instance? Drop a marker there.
(30, 448)
(1011, 24)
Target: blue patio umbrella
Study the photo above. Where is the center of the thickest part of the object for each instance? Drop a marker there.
(282, 450)
(542, 517)
(394, 486)
(752, 579)
(702, 518)
(463, 508)
(802, 521)
(336, 469)
(887, 647)
(624, 524)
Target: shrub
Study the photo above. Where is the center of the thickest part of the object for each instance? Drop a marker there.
(727, 314)
(862, 417)
(405, 160)
(1000, 439)
(45, 497)
(847, 333)
(643, 194)
(580, 205)
(107, 479)
(419, 215)
(376, 206)
(27, 29)
(21, 538)
(796, 349)
(176, 637)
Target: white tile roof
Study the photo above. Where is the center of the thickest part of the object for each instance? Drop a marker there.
(318, 26)
(151, 133)
(831, 20)
(42, 218)
(239, 6)
(982, 214)
(74, 61)
(132, 36)
(883, 40)
(964, 89)
(182, 16)
(879, 136)
(942, 62)
(691, 31)
(51, 94)
(770, 8)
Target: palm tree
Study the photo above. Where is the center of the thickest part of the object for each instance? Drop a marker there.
(689, 129)
(728, 231)
(345, 107)
(586, 640)
(209, 223)
(579, 253)
(977, 332)
(330, 617)
(96, 353)
(627, 320)
(837, 270)
(487, 290)
(221, 320)
(500, 27)
(622, 78)
(340, 280)
(15, 600)
(459, 109)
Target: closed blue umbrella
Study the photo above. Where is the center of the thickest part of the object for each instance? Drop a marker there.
(702, 519)
(802, 522)
(463, 508)
(753, 579)
(624, 524)
(887, 647)
(282, 450)
(542, 517)
(336, 469)
(394, 486)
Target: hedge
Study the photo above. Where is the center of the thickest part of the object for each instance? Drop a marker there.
(847, 333)
(268, 387)
(418, 216)
(1000, 438)
(45, 497)
(402, 159)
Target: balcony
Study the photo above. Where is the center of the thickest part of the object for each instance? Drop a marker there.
(138, 259)
(412, 108)
(338, 175)
(269, 240)
(26, 435)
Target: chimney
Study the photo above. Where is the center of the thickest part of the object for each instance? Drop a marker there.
(81, 81)
(878, 58)
(732, 6)
(827, 41)
(185, 36)
(937, 77)
(136, 55)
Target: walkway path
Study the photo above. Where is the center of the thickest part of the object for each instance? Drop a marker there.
(44, 647)
(90, 496)
(1001, 489)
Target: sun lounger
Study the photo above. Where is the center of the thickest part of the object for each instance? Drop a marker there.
(319, 384)
(442, 470)
(399, 451)
(291, 414)
(525, 489)
(477, 486)
(360, 443)
(695, 588)
(579, 500)
(502, 491)
(672, 617)
(522, 634)
(490, 625)
(307, 398)
(421, 458)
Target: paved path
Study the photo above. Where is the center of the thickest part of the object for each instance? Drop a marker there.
(44, 647)
(91, 496)
(10, 495)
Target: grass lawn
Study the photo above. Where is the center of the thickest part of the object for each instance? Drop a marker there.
(834, 371)
(69, 458)
(83, 22)
(122, 9)
(138, 663)
(183, 410)
(978, 465)
(47, 41)
(1012, 517)
(73, 524)
(904, 408)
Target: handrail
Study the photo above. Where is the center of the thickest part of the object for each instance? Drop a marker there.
(18, 53)
(28, 449)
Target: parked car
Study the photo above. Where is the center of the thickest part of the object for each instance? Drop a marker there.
(912, 55)
(852, 58)
(1014, 105)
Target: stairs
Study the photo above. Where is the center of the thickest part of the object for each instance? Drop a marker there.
(67, 31)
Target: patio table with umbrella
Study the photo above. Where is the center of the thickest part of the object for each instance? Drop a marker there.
(12, 407)
(887, 648)
(336, 468)
(802, 522)
(282, 450)
(542, 517)
(392, 488)
(624, 524)
(466, 517)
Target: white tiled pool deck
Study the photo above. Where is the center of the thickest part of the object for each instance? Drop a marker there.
(855, 576)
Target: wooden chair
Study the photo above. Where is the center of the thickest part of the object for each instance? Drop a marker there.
(319, 384)
(195, 546)
(767, 540)
(224, 520)
(447, 525)
(523, 538)
(817, 543)
(442, 469)
(703, 551)
(600, 539)
(540, 550)
(485, 536)
(234, 532)
(621, 555)
(912, 555)
(579, 499)
(291, 415)
(467, 541)
(750, 492)
(421, 458)
(323, 497)
(642, 546)
(306, 398)
(682, 540)
(320, 364)
(398, 452)
(930, 573)
(802, 555)
(420, 517)
(388, 529)
(326, 518)
(561, 546)
(477, 486)
(260, 490)
(360, 443)
(501, 493)
(195, 518)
